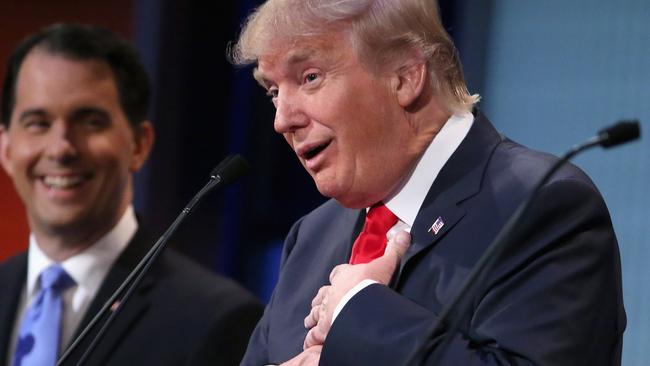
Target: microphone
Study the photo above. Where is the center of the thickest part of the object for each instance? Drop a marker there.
(452, 313)
(228, 170)
(619, 133)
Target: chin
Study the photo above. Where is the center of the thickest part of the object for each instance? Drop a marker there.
(328, 188)
(346, 199)
(354, 202)
(343, 193)
(60, 216)
(61, 221)
(325, 192)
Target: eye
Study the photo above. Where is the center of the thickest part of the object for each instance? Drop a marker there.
(272, 92)
(91, 118)
(36, 124)
(96, 122)
(310, 77)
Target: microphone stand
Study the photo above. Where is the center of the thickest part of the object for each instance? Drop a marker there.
(512, 231)
(227, 171)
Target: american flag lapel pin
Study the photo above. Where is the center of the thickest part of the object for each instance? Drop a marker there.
(116, 305)
(437, 225)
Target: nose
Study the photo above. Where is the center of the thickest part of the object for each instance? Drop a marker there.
(61, 144)
(289, 113)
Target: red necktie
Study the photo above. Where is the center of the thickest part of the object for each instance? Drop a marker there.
(371, 243)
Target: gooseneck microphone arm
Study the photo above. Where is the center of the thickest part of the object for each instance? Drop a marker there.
(231, 168)
(440, 333)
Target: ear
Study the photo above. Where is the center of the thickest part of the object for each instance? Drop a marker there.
(144, 137)
(411, 79)
(4, 150)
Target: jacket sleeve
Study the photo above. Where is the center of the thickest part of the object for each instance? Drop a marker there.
(257, 352)
(226, 341)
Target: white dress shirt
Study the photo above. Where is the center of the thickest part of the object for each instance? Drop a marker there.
(88, 269)
(405, 203)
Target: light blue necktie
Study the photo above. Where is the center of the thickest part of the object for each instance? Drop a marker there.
(38, 340)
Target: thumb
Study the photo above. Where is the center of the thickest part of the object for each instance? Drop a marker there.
(383, 268)
(397, 247)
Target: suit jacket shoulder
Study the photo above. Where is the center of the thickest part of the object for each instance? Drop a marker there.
(181, 314)
(12, 279)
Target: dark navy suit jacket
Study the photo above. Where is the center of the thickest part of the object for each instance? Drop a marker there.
(181, 314)
(554, 299)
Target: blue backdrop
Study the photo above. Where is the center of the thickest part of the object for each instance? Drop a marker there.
(554, 73)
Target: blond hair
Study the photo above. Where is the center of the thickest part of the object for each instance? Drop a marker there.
(381, 32)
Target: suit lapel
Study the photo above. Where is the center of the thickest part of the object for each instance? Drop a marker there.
(12, 279)
(137, 304)
(459, 179)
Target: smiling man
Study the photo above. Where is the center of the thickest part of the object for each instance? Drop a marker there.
(74, 131)
(370, 96)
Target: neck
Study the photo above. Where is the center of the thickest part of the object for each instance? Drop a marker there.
(425, 123)
(61, 243)
(426, 116)
(59, 251)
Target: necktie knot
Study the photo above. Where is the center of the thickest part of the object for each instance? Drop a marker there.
(371, 243)
(379, 220)
(55, 278)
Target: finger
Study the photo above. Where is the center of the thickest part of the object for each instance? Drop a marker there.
(317, 334)
(314, 337)
(323, 318)
(309, 339)
(318, 299)
(312, 319)
(336, 270)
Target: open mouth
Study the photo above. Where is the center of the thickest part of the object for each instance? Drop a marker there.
(309, 154)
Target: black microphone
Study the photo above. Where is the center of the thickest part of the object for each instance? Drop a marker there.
(231, 168)
(619, 133)
(440, 332)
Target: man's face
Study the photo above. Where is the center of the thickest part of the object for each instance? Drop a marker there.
(69, 148)
(343, 122)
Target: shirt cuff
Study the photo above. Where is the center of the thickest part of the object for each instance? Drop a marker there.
(348, 295)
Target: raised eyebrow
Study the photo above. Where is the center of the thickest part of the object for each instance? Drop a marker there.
(301, 56)
(259, 77)
(294, 58)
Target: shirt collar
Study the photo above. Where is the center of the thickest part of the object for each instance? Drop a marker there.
(89, 267)
(405, 204)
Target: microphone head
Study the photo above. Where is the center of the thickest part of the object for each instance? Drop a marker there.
(217, 169)
(230, 168)
(619, 133)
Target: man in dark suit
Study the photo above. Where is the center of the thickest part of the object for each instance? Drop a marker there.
(74, 131)
(370, 96)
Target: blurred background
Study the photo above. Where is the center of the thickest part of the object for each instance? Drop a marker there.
(550, 73)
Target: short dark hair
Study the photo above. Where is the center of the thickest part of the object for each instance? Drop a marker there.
(82, 42)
